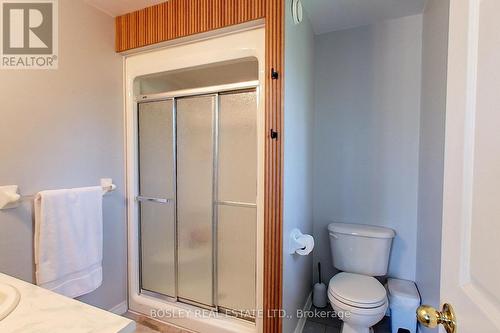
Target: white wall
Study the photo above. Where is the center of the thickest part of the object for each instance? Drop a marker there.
(367, 114)
(432, 136)
(64, 128)
(298, 136)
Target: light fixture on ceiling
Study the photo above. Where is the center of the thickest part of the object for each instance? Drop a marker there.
(297, 11)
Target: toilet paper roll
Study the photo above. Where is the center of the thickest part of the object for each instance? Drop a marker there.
(307, 244)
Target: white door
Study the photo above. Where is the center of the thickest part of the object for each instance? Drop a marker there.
(470, 276)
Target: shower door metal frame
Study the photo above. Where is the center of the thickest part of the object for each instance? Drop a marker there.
(211, 90)
(216, 92)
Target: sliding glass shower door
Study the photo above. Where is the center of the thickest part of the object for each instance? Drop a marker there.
(198, 199)
(195, 182)
(157, 193)
(236, 202)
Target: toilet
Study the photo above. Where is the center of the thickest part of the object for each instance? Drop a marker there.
(360, 252)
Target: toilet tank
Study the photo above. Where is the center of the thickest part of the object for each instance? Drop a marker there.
(361, 249)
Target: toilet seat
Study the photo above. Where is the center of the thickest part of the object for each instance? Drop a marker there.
(358, 291)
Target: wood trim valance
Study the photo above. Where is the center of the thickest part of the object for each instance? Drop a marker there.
(181, 18)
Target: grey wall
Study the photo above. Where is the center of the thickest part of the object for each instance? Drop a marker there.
(64, 128)
(367, 114)
(299, 101)
(432, 136)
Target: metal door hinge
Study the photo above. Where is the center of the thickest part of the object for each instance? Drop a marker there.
(274, 74)
(274, 135)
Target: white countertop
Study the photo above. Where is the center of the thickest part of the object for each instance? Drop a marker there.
(42, 311)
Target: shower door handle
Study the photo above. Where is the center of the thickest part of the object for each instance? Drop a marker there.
(155, 200)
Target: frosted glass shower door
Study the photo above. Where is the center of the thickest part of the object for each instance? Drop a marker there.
(237, 196)
(156, 198)
(198, 199)
(195, 174)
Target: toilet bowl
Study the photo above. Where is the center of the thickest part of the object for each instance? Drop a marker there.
(360, 252)
(360, 301)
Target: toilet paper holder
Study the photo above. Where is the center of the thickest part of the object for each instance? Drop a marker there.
(296, 242)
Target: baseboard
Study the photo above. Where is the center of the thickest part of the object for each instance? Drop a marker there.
(120, 308)
(302, 321)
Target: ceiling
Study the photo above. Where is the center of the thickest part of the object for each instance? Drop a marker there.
(325, 15)
(331, 15)
(120, 7)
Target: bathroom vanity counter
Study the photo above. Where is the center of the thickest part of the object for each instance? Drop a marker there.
(42, 311)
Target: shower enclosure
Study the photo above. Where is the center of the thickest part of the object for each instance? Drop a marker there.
(197, 195)
(195, 159)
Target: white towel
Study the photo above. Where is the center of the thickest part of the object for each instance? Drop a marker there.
(68, 240)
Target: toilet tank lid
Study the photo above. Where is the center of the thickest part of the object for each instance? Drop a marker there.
(363, 230)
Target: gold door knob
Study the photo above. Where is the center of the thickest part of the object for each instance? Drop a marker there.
(430, 317)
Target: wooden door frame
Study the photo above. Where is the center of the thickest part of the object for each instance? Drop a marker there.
(181, 18)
